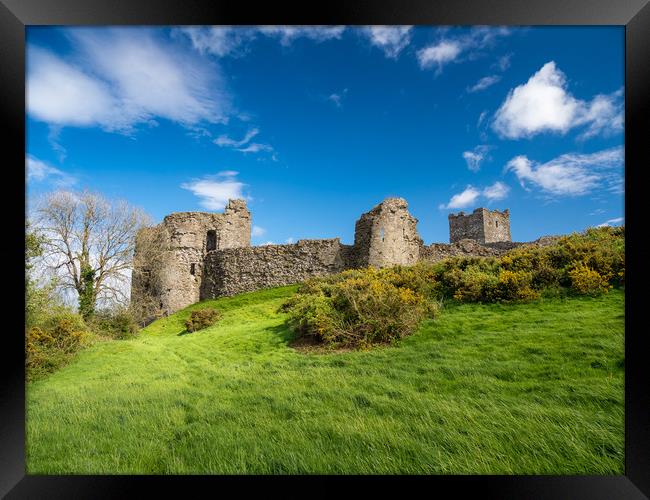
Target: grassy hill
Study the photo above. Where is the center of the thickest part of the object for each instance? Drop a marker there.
(484, 389)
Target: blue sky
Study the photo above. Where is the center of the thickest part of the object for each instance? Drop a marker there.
(316, 125)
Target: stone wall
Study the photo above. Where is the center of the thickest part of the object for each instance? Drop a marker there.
(236, 270)
(387, 235)
(482, 225)
(193, 256)
(173, 273)
(465, 248)
(496, 225)
(466, 226)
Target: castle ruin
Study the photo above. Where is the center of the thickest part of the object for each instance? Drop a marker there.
(482, 225)
(193, 256)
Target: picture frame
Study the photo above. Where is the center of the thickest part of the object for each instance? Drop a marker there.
(15, 15)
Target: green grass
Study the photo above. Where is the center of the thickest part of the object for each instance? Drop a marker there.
(485, 389)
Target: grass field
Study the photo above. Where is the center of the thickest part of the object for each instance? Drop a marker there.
(484, 389)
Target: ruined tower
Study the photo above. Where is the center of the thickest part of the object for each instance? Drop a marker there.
(169, 258)
(387, 235)
(482, 225)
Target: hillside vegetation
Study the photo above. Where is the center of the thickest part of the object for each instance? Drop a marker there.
(521, 388)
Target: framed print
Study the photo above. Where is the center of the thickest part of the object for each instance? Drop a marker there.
(378, 243)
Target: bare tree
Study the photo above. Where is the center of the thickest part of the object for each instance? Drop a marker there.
(89, 244)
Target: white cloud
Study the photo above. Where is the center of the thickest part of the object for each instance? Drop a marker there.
(337, 98)
(475, 158)
(225, 140)
(496, 191)
(390, 39)
(438, 54)
(258, 231)
(217, 40)
(38, 170)
(454, 49)
(251, 147)
(215, 191)
(288, 34)
(612, 222)
(290, 240)
(483, 83)
(61, 94)
(255, 147)
(471, 196)
(604, 115)
(572, 174)
(234, 41)
(464, 199)
(543, 104)
(267, 243)
(118, 78)
(481, 117)
(503, 63)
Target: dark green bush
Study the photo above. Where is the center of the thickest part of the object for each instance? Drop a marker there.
(115, 324)
(201, 319)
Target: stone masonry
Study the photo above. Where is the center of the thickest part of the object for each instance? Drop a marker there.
(193, 256)
(174, 274)
(482, 225)
(387, 236)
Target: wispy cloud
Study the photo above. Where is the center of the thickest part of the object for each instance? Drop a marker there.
(256, 147)
(249, 147)
(338, 98)
(458, 48)
(503, 63)
(118, 78)
(214, 191)
(38, 171)
(390, 39)
(572, 174)
(471, 195)
(612, 222)
(257, 231)
(484, 83)
(218, 40)
(226, 141)
(475, 157)
(543, 104)
(287, 34)
(497, 191)
(234, 41)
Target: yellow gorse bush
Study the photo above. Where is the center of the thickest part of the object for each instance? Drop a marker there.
(587, 281)
(360, 307)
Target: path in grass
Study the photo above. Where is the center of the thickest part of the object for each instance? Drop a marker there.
(519, 389)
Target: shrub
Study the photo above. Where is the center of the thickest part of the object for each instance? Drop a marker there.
(476, 285)
(53, 343)
(515, 286)
(67, 330)
(358, 308)
(367, 306)
(115, 324)
(201, 319)
(587, 281)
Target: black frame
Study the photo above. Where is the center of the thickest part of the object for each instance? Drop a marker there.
(633, 14)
